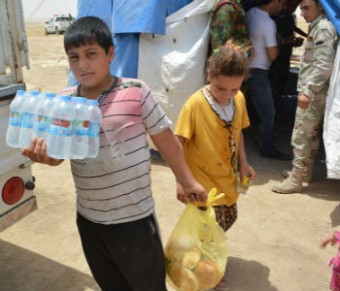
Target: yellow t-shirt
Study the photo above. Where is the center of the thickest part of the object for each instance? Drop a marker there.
(209, 143)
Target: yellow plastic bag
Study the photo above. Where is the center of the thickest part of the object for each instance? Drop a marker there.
(196, 252)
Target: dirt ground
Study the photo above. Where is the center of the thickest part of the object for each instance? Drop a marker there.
(272, 247)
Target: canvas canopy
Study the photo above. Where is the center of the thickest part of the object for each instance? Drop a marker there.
(173, 65)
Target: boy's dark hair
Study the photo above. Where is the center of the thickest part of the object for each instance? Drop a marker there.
(88, 30)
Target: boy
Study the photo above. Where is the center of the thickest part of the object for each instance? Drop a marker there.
(115, 207)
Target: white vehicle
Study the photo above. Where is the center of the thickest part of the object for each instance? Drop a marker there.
(16, 182)
(58, 24)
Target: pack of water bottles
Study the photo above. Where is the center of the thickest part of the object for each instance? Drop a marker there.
(69, 125)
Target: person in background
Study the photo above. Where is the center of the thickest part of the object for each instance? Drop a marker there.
(115, 207)
(228, 23)
(333, 239)
(262, 31)
(210, 128)
(313, 82)
(286, 28)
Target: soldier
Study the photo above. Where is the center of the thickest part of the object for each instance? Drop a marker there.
(228, 23)
(313, 81)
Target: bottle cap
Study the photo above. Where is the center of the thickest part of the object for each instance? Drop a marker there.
(21, 92)
(65, 97)
(50, 95)
(92, 102)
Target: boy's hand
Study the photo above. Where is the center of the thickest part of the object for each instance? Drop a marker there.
(37, 152)
(192, 193)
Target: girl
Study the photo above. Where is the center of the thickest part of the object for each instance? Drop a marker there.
(210, 129)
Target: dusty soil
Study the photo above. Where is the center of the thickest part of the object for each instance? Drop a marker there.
(272, 247)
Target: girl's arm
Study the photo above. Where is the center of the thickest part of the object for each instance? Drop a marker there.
(245, 168)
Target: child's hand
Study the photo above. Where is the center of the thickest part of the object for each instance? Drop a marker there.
(248, 171)
(180, 194)
(191, 193)
(329, 240)
(37, 152)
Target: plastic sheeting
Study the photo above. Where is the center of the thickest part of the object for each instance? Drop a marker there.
(173, 65)
(331, 130)
(127, 19)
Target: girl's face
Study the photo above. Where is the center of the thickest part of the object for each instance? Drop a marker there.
(224, 88)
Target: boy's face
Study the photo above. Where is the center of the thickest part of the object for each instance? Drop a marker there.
(224, 88)
(91, 65)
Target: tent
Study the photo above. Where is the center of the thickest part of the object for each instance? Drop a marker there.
(127, 20)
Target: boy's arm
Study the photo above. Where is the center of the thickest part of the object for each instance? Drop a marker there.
(172, 151)
(37, 152)
(245, 168)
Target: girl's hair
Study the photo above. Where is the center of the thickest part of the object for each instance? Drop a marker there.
(229, 61)
(88, 30)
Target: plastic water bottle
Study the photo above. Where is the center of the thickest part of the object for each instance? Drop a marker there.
(43, 116)
(94, 128)
(15, 118)
(79, 145)
(28, 116)
(59, 138)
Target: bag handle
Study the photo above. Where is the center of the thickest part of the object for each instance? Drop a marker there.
(213, 196)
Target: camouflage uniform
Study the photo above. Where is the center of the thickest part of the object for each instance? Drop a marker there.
(313, 81)
(228, 22)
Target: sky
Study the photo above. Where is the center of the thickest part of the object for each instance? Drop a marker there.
(42, 10)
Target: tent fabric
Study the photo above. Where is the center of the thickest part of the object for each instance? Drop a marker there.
(173, 65)
(331, 130)
(127, 19)
(331, 133)
(173, 6)
(332, 9)
(135, 16)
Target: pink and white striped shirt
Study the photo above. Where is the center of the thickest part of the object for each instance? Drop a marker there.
(115, 187)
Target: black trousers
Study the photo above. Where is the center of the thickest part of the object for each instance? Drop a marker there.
(126, 256)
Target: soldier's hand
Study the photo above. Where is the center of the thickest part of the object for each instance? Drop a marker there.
(303, 101)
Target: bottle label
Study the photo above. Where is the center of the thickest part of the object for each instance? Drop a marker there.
(15, 119)
(80, 127)
(43, 123)
(27, 120)
(61, 127)
(94, 128)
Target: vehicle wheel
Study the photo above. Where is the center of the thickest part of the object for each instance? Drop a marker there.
(57, 31)
(46, 31)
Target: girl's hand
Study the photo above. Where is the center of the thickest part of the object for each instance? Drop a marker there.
(329, 240)
(247, 170)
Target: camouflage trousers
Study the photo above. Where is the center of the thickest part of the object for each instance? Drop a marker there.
(306, 132)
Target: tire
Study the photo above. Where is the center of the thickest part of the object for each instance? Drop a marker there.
(57, 31)
(46, 32)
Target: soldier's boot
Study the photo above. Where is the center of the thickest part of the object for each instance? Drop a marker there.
(307, 174)
(292, 184)
(309, 171)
